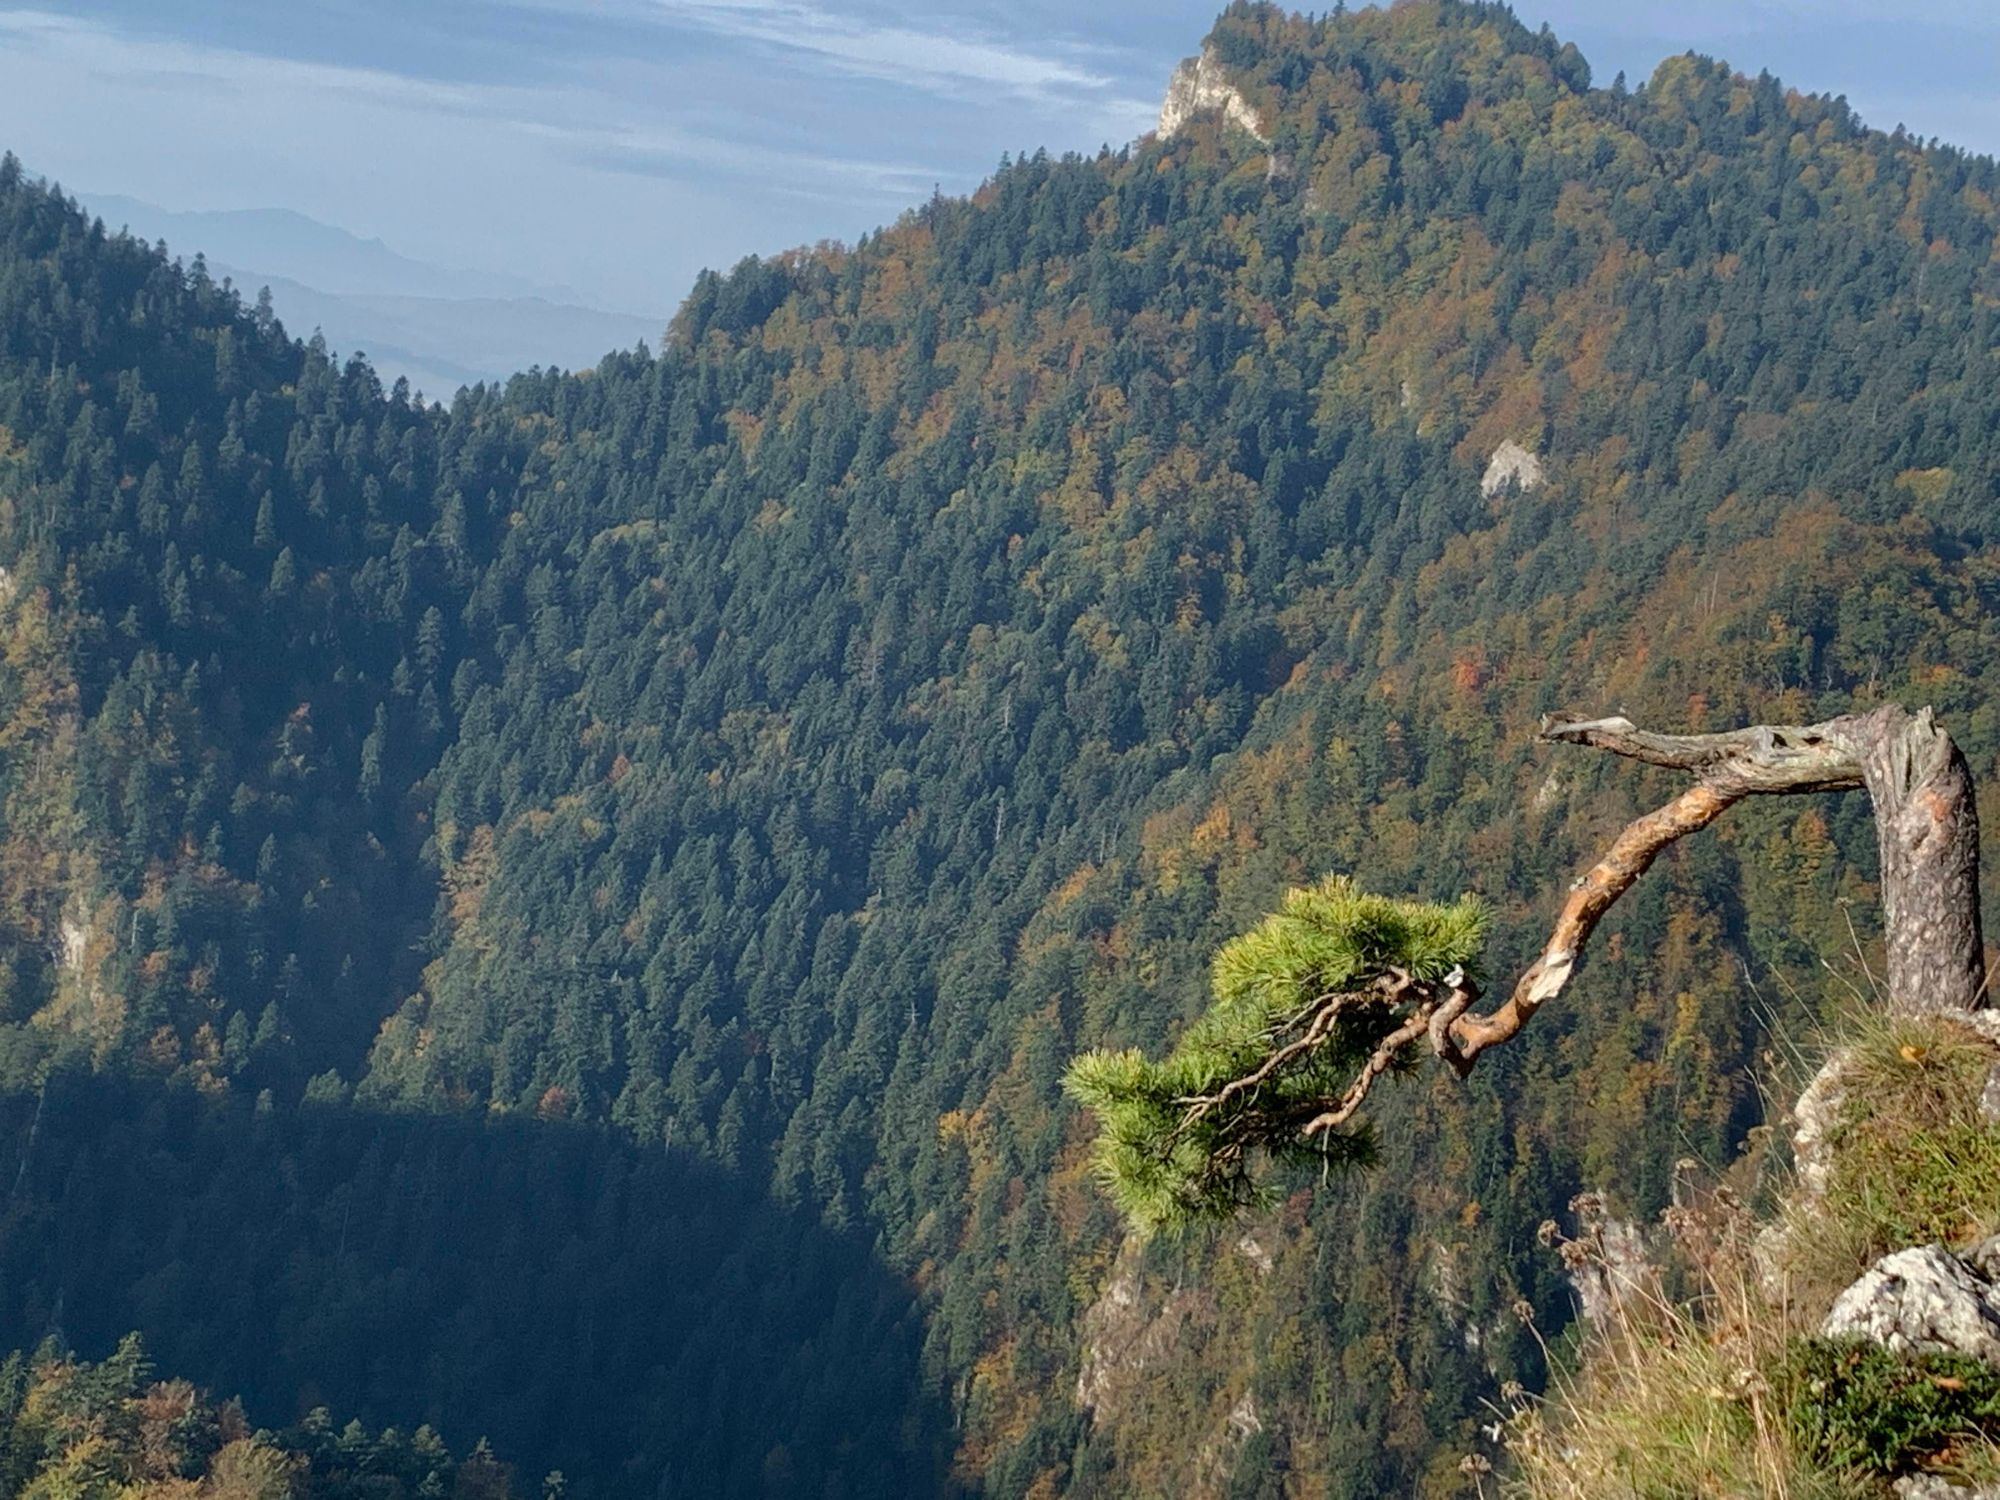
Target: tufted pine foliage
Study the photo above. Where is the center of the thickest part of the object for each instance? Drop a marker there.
(1170, 1163)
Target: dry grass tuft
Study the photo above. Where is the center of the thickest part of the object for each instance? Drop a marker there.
(1673, 1400)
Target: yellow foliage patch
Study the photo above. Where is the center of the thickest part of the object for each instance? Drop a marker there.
(1925, 486)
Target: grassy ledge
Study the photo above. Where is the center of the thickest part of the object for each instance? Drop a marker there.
(1703, 1376)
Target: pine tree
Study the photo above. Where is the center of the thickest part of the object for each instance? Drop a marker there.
(1302, 1004)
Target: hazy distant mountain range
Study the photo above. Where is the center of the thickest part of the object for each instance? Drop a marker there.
(441, 327)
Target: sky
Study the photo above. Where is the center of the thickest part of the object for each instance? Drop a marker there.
(612, 148)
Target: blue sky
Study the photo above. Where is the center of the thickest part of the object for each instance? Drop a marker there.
(616, 146)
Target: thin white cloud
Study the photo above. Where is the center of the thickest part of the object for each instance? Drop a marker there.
(661, 150)
(108, 55)
(567, 115)
(934, 54)
(935, 60)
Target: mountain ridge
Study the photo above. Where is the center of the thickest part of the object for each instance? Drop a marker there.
(301, 248)
(435, 326)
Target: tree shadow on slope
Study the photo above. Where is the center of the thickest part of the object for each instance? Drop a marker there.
(643, 1321)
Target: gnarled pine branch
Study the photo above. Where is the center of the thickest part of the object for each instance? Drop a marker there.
(1927, 829)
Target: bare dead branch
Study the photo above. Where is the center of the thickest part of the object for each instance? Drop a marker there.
(1927, 828)
(1629, 857)
(1765, 758)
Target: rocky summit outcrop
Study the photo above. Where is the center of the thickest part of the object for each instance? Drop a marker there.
(1925, 1300)
(1200, 84)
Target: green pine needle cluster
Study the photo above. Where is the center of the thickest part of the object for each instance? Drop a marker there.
(1170, 1167)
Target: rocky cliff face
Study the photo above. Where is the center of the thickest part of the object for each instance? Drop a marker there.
(1199, 84)
(1150, 1347)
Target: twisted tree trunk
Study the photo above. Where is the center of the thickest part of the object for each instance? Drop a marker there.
(1926, 825)
(1928, 830)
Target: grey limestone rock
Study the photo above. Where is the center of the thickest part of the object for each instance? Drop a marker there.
(1931, 1487)
(1924, 1300)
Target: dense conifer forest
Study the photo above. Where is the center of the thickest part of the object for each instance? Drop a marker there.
(561, 916)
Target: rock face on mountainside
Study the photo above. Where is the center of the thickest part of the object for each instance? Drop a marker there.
(1126, 1335)
(1200, 84)
(1511, 467)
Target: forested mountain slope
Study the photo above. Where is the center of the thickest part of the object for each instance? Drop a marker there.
(769, 761)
